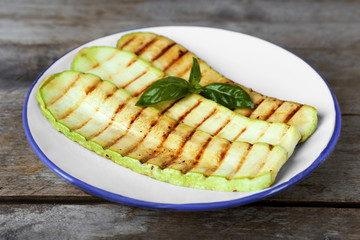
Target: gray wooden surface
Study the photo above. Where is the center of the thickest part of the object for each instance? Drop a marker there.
(37, 204)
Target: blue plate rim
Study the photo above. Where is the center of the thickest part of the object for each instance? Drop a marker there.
(188, 206)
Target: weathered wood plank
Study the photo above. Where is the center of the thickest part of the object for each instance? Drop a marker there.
(306, 24)
(108, 221)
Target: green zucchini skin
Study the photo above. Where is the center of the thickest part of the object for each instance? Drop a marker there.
(175, 60)
(103, 118)
(128, 71)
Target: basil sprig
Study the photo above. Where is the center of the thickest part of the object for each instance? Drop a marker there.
(173, 88)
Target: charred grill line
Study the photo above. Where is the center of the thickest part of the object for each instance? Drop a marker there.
(221, 159)
(97, 109)
(144, 89)
(143, 48)
(239, 134)
(181, 53)
(127, 42)
(198, 156)
(153, 123)
(156, 151)
(180, 150)
(170, 106)
(262, 134)
(238, 167)
(132, 61)
(264, 162)
(266, 117)
(207, 117)
(182, 73)
(127, 130)
(96, 65)
(222, 127)
(258, 104)
(136, 78)
(292, 113)
(181, 118)
(87, 92)
(66, 90)
(120, 107)
(111, 56)
(163, 51)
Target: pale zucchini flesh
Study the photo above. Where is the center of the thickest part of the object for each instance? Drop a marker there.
(175, 60)
(128, 71)
(104, 118)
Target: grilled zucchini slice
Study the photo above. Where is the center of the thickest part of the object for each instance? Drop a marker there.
(104, 118)
(175, 60)
(128, 71)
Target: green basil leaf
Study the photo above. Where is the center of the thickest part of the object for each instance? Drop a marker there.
(228, 95)
(195, 74)
(169, 88)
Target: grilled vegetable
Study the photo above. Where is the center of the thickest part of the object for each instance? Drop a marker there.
(175, 60)
(104, 118)
(132, 73)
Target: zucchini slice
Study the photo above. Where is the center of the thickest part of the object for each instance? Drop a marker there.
(128, 71)
(175, 60)
(103, 118)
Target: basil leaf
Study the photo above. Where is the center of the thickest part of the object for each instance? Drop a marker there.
(195, 74)
(169, 88)
(228, 95)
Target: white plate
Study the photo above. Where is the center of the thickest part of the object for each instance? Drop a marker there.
(250, 61)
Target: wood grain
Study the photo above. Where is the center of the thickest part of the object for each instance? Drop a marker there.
(109, 221)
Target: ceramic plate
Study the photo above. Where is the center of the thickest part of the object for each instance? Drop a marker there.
(250, 61)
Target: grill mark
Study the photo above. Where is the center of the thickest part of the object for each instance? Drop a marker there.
(207, 117)
(181, 53)
(87, 92)
(144, 89)
(109, 95)
(137, 77)
(66, 90)
(127, 130)
(221, 159)
(170, 106)
(198, 156)
(263, 133)
(285, 131)
(120, 107)
(188, 111)
(258, 104)
(266, 117)
(82, 125)
(180, 150)
(132, 61)
(163, 51)
(264, 162)
(292, 113)
(238, 167)
(222, 127)
(147, 45)
(96, 65)
(127, 42)
(182, 73)
(164, 137)
(239, 134)
(111, 56)
(97, 109)
(152, 124)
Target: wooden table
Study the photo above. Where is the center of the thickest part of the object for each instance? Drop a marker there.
(37, 204)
